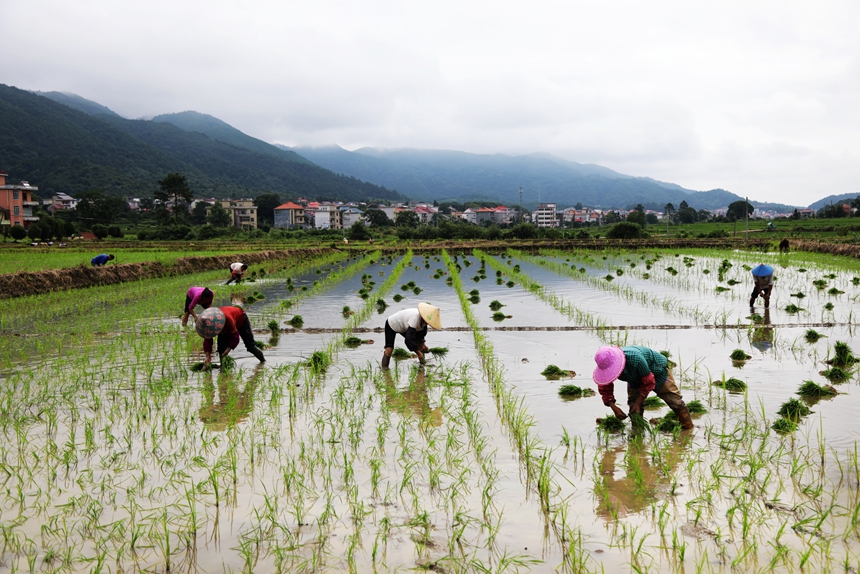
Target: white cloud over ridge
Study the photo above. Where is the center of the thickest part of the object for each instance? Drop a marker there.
(758, 98)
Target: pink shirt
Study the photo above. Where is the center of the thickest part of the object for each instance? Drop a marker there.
(195, 293)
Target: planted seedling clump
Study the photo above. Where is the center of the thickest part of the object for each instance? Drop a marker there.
(783, 425)
(812, 389)
(401, 353)
(439, 351)
(397, 297)
(572, 391)
(740, 355)
(610, 424)
(495, 305)
(296, 322)
(835, 374)
(499, 316)
(793, 409)
(732, 385)
(792, 308)
(555, 372)
(653, 403)
(696, 408)
(812, 336)
(352, 342)
(842, 355)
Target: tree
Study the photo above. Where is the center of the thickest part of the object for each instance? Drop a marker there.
(611, 217)
(651, 219)
(115, 231)
(266, 204)
(98, 207)
(378, 218)
(18, 233)
(855, 205)
(218, 216)
(34, 231)
(684, 205)
(99, 230)
(669, 209)
(198, 213)
(578, 206)
(739, 209)
(636, 217)
(625, 230)
(173, 197)
(688, 215)
(358, 232)
(407, 219)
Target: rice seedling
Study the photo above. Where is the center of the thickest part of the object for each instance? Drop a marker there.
(510, 284)
(438, 351)
(668, 423)
(319, 361)
(721, 289)
(609, 277)
(397, 297)
(499, 316)
(474, 293)
(792, 308)
(495, 305)
(756, 318)
(381, 305)
(812, 336)
(731, 384)
(572, 391)
(296, 322)
(842, 355)
(555, 372)
(352, 341)
(793, 409)
(740, 355)
(696, 407)
(784, 425)
(274, 327)
(834, 291)
(400, 353)
(799, 295)
(610, 424)
(417, 290)
(654, 402)
(813, 389)
(835, 374)
(828, 306)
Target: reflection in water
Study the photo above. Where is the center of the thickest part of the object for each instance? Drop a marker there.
(647, 475)
(232, 406)
(762, 335)
(412, 401)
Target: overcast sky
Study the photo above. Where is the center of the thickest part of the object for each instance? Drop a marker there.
(760, 98)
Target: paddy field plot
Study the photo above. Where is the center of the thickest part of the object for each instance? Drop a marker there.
(116, 456)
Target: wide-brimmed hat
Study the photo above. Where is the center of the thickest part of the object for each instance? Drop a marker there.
(210, 323)
(610, 362)
(762, 270)
(430, 314)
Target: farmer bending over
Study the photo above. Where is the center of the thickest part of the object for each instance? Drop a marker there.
(237, 271)
(762, 284)
(229, 324)
(412, 324)
(644, 370)
(202, 296)
(101, 260)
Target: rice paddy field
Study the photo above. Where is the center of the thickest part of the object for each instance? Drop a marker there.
(118, 456)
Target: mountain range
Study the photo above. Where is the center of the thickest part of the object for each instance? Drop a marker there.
(61, 141)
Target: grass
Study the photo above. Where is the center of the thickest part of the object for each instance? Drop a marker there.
(572, 391)
(732, 385)
(813, 389)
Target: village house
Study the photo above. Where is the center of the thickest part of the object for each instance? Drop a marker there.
(290, 215)
(545, 215)
(16, 203)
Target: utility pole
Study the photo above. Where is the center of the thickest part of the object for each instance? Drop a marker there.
(746, 220)
(521, 204)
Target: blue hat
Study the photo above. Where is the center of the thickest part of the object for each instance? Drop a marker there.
(762, 270)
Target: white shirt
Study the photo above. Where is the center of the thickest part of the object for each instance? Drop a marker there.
(236, 266)
(402, 320)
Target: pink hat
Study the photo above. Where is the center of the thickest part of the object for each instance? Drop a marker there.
(610, 362)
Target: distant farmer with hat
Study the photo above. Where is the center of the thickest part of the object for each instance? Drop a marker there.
(237, 271)
(202, 296)
(412, 324)
(762, 284)
(101, 260)
(644, 370)
(229, 324)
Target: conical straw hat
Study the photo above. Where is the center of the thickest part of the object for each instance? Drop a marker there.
(210, 322)
(430, 314)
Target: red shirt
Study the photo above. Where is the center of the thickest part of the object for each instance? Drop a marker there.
(235, 318)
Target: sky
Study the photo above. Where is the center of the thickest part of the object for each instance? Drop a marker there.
(759, 98)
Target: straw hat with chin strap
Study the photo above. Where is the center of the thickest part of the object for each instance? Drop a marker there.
(430, 314)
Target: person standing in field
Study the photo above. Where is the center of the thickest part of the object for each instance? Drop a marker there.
(412, 324)
(237, 271)
(228, 324)
(202, 296)
(644, 370)
(101, 260)
(762, 284)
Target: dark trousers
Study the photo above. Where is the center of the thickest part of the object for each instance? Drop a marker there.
(765, 293)
(247, 336)
(390, 335)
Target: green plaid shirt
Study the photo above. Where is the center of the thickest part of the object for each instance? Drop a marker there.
(640, 362)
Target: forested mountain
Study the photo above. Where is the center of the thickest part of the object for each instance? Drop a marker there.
(77, 102)
(59, 148)
(453, 175)
(841, 198)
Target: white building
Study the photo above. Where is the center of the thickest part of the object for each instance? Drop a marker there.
(545, 215)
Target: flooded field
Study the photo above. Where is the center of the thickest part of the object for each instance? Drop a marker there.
(118, 457)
